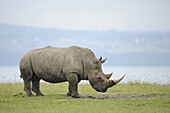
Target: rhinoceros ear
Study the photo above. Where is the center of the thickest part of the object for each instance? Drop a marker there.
(100, 58)
(102, 61)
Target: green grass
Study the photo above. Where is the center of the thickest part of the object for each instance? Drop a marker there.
(55, 100)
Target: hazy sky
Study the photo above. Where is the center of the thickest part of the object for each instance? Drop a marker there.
(126, 15)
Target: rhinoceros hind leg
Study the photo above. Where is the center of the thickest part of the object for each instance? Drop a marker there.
(73, 85)
(27, 88)
(69, 92)
(36, 85)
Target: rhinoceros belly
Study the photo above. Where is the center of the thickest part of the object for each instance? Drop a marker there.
(53, 78)
(50, 76)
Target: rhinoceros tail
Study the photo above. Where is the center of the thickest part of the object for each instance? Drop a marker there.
(21, 76)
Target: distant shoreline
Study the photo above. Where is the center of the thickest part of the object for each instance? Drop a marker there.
(154, 75)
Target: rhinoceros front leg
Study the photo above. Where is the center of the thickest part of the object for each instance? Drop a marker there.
(73, 85)
(69, 90)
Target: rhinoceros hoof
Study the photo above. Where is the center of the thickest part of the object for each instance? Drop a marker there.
(76, 96)
(40, 94)
(28, 95)
(68, 94)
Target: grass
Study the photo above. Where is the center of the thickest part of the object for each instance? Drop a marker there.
(55, 100)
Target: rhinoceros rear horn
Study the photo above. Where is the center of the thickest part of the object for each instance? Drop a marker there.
(114, 82)
(108, 75)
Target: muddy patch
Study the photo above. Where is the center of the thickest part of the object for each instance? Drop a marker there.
(122, 96)
(17, 94)
(115, 96)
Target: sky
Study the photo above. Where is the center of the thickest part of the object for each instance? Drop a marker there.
(98, 15)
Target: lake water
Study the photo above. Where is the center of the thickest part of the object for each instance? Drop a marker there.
(158, 75)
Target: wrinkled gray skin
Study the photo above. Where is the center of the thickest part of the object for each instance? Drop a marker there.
(57, 65)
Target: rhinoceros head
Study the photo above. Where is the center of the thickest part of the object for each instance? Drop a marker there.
(98, 80)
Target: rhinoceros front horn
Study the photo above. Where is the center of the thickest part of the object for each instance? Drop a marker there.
(114, 82)
(117, 81)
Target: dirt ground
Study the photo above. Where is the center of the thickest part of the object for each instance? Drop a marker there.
(116, 96)
(121, 96)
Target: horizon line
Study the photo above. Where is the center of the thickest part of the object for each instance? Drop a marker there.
(83, 30)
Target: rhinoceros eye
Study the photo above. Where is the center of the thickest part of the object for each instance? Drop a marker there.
(100, 78)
